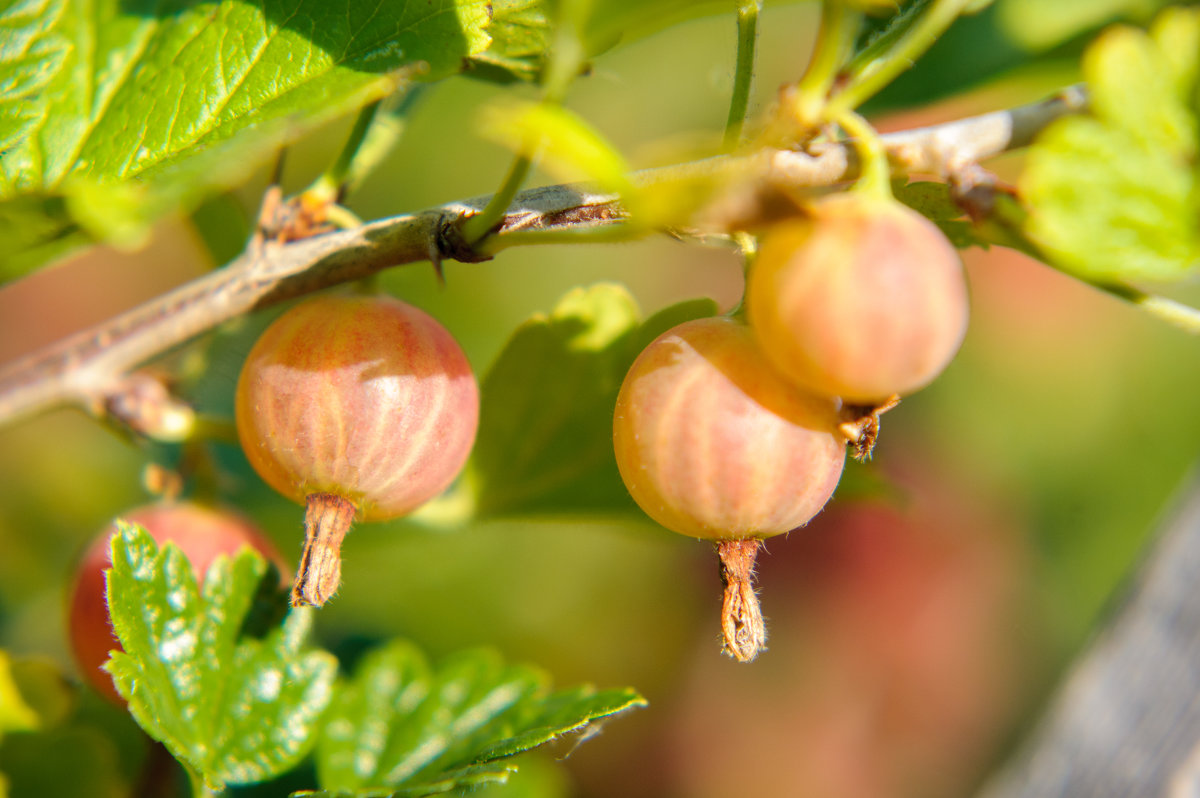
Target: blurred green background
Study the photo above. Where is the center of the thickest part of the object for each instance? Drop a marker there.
(914, 626)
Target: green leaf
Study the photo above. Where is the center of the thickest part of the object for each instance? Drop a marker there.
(1038, 25)
(545, 429)
(623, 21)
(100, 744)
(67, 762)
(1115, 196)
(568, 147)
(400, 727)
(171, 100)
(520, 34)
(15, 713)
(934, 201)
(233, 709)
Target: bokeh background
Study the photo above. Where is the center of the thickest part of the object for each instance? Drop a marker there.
(915, 626)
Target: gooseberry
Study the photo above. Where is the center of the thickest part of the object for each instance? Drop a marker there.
(201, 533)
(863, 298)
(354, 406)
(713, 443)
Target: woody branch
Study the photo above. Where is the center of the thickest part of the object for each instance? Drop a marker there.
(89, 368)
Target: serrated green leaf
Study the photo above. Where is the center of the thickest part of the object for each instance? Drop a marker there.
(401, 728)
(1176, 31)
(398, 722)
(235, 710)
(520, 32)
(1115, 196)
(183, 98)
(564, 712)
(1133, 87)
(465, 778)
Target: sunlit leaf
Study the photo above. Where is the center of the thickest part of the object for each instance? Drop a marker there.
(401, 727)
(233, 708)
(520, 33)
(170, 100)
(545, 434)
(566, 146)
(1038, 25)
(1114, 196)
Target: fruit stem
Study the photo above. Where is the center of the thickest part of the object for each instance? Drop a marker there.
(327, 519)
(867, 78)
(835, 38)
(376, 131)
(875, 171)
(742, 629)
(747, 23)
(330, 186)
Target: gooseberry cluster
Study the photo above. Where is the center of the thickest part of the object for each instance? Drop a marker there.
(366, 407)
(736, 433)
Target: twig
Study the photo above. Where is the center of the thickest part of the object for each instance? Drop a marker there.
(83, 368)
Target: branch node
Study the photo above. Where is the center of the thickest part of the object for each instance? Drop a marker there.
(451, 243)
(141, 403)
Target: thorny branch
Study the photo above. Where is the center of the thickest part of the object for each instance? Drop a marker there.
(90, 368)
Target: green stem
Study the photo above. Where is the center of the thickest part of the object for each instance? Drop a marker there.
(375, 133)
(876, 74)
(1174, 313)
(566, 50)
(566, 57)
(743, 76)
(330, 184)
(876, 174)
(199, 788)
(748, 245)
(478, 226)
(839, 24)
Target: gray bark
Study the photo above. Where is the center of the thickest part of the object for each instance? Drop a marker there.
(1126, 721)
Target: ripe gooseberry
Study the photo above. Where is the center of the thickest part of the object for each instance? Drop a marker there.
(863, 298)
(713, 443)
(354, 406)
(200, 532)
